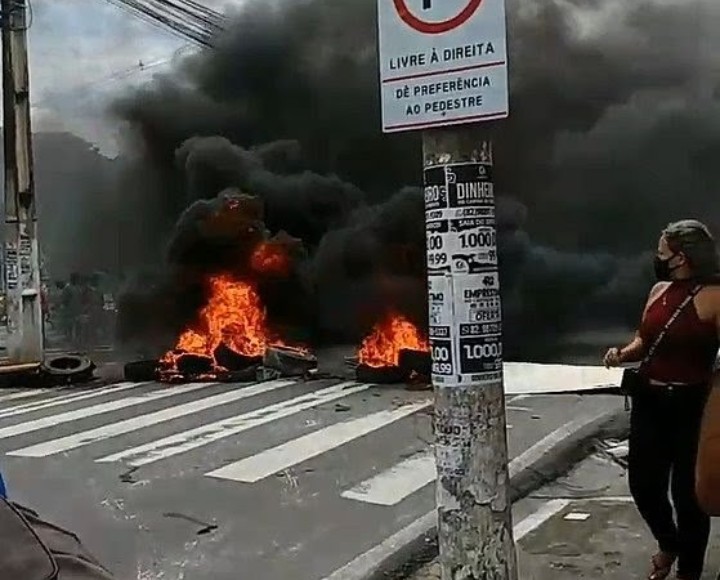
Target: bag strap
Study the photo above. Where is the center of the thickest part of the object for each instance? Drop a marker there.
(669, 323)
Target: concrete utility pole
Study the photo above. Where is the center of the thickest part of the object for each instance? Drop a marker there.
(22, 268)
(473, 501)
(443, 71)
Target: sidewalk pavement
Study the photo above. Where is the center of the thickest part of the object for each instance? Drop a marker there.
(585, 526)
(547, 435)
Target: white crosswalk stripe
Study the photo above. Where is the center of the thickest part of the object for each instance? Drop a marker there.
(55, 420)
(69, 398)
(114, 429)
(91, 417)
(279, 458)
(22, 394)
(205, 434)
(395, 484)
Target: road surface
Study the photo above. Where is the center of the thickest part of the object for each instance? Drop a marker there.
(281, 479)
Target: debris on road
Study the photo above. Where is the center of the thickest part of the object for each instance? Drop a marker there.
(614, 450)
(65, 369)
(68, 369)
(289, 361)
(205, 528)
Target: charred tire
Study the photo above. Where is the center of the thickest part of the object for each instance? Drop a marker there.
(69, 368)
(415, 361)
(141, 371)
(246, 375)
(380, 375)
(289, 361)
(234, 361)
(194, 364)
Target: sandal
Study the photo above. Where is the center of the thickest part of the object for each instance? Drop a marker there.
(662, 564)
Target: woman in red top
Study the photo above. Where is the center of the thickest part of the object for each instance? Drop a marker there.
(667, 409)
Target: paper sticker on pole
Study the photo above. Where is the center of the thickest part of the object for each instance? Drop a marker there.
(465, 310)
(442, 350)
(442, 62)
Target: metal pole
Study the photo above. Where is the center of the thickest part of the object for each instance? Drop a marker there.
(473, 501)
(22, 268)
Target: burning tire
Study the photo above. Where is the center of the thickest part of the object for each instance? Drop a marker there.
(141, 371)
(289, 361)
(380, 375)
(415, 362)
(234, 361)
(69, 368)
(189, 365)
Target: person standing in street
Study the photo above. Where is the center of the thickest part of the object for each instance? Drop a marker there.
(677, 345)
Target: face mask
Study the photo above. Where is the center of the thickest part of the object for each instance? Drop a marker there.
(663, 270)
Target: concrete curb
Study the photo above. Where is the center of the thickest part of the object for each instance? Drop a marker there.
(402, 553)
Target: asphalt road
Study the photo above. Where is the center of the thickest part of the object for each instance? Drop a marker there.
(271, 480)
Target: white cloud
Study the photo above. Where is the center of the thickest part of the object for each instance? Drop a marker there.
(82, 52)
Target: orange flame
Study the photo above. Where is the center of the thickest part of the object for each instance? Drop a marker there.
(270, 258)
(381, 348)
(234, 315)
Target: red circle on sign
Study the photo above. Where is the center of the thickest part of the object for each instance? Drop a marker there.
(435, 27)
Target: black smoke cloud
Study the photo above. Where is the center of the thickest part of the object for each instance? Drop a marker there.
(614, 131)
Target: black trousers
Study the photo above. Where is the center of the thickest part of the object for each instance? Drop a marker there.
(664, 430)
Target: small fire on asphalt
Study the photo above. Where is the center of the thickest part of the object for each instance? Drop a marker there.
(395, 351)
(229, 335)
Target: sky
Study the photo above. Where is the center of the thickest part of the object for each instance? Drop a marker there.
(82, 52)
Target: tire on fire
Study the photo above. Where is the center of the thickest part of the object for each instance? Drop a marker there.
(69, 368)
(380, 375)
(190, 365)
(234, 361)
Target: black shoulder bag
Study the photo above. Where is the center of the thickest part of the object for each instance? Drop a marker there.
(632, 380)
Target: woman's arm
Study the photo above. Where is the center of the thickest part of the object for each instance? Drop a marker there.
(632, 352)
(635, 350)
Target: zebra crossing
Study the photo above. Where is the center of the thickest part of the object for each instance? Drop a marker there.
(144, 424)
(297, 478)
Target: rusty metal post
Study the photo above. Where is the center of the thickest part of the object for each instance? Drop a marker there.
(473, 500)
(21, 256)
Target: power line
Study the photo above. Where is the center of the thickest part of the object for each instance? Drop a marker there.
(112, 78)
(185, 18)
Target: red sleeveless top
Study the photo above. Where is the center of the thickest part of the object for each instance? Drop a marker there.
(688, 350)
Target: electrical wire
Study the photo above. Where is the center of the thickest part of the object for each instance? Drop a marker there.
(82, 91)
(186, 18)
(178, 27)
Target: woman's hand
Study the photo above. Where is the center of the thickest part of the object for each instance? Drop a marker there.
(612, 358)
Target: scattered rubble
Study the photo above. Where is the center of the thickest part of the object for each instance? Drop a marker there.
(289, 361)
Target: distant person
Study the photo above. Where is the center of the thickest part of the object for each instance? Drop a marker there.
(677, 360)
(73, 309)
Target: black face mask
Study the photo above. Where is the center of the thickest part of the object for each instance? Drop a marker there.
(663, 270)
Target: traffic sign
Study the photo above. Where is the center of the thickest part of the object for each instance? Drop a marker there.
(442, 62)
(420, 24)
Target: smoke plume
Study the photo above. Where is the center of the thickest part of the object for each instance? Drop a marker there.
(614, 131)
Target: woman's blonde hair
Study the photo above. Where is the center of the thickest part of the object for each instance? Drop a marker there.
(694, 240)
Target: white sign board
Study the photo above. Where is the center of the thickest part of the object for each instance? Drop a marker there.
(442, 62)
